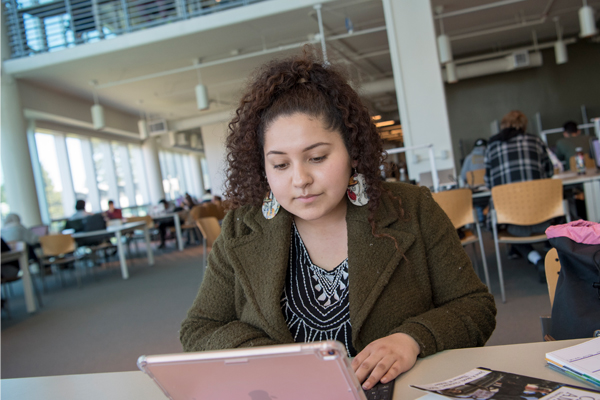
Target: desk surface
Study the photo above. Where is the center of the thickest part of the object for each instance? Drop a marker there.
(111, 230)
(524, 359)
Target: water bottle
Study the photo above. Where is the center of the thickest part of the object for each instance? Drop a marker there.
(580, 161)
(402, 175)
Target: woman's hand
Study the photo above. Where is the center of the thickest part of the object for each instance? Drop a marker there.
(386, 358)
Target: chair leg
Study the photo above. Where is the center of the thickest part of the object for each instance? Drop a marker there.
(483, 258)
(498, 260)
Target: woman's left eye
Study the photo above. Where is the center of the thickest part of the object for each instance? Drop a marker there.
(318, 159)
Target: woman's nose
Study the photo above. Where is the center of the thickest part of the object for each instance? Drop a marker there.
(301, 176)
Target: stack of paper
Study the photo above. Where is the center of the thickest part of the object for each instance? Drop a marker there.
(581, 361)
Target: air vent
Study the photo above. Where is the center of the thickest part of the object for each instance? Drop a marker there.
(157, 127)
(520, 59)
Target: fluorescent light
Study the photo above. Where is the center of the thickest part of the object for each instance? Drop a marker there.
(385, 123)
(376, 117)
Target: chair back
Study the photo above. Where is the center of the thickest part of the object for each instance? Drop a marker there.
(210, 228)
(476, 177)
(196, 212)
(590, 163)
(54, 245)
(529, 202)
(457, 204)
(552, 266)
(147, 219)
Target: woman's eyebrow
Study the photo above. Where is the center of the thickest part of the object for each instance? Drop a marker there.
(312, 146)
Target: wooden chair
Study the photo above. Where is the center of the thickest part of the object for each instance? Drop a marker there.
(590, 163)
(525, 203)
(458, 205)
(58, 251)
(210, 228)
(476, 177)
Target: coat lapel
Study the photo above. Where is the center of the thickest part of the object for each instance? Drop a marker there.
(262, 260)
(372, 260)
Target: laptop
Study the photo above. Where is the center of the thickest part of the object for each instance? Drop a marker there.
(300, 371)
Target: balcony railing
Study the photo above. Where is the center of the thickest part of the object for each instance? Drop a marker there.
(38, 26)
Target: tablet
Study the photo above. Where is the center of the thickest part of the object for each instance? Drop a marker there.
(300, 371)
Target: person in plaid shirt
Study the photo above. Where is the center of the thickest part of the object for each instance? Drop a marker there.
(515, 156)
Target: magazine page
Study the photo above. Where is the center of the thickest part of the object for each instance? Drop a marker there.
(483, 384)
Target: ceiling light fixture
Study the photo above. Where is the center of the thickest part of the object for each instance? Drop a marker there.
(97, 110)
(444, 47)
(202, 100)
(451, 76)
(560, 48)
(587, 25)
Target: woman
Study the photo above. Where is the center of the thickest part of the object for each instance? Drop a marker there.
(332, 252)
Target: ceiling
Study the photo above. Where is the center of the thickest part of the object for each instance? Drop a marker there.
(172, 96)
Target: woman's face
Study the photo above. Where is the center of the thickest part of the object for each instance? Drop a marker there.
(307, 166)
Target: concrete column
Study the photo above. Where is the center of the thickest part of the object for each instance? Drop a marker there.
(153, 174)
(213, 137)
(19, 182)
(419, 83)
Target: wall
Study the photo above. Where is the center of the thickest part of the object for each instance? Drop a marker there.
(556, 91)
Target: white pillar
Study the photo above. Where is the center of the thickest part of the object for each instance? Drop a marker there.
(153, 174)
(213, 137)
(419, 84)
(19, 182)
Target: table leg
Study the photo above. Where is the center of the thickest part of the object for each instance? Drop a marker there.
(592, 199)
(27, 283)
(121, 251)
(178, 231)
(149, 252)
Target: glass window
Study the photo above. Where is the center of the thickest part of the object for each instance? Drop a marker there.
(120, 172)
(101, 173)
(205, 175)
(138, 175)
(80, 184)
(4, 208)
(50, 172)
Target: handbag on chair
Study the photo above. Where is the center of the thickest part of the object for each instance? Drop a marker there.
(576, 308)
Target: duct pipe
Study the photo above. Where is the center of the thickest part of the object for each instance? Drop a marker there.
(201, 120)
(495, 66)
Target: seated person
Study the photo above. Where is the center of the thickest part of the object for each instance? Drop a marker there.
(475, 160)
(112, 212)
(80, 210)
(572, 139)
(513, 155)
(384, 272)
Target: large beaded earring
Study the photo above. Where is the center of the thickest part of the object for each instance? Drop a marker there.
(357, 190)
(270, 206)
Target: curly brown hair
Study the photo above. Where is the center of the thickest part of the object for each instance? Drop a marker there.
(299, 84)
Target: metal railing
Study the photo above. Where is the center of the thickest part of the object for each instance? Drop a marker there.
(39, 26)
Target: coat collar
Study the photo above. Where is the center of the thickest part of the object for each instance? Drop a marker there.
(263, 257)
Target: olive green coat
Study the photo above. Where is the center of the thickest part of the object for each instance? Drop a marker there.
(425, 288)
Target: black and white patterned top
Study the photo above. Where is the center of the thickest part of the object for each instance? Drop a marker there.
(314, 301)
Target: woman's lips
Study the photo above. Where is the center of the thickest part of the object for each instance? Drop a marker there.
(308, 198)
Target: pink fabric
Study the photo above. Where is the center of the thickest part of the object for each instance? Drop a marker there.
(580, 231)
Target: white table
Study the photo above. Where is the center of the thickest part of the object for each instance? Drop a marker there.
(19, 252)
(118, 232)
(177, 221)
(591, 189)
(524, 359)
